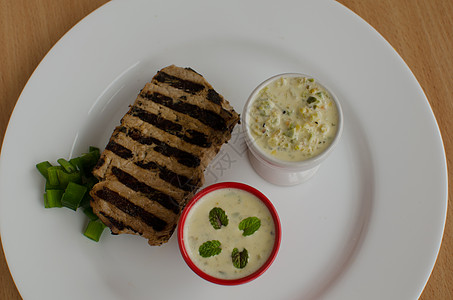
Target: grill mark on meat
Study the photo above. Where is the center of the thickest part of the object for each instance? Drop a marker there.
(118, 224)
(180, 181)
(131, 209)
(191, 136)
(152, 194)
(214, 97)
(181, 84)
(205, 116)
(122, 129)
(197, 138)
(183, 157)
(100, 163)
(156, 120)
(119, 150)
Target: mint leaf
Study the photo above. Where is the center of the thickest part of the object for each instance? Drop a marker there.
(218, 217)
(249, 225)
(210, 248)
(239, 259)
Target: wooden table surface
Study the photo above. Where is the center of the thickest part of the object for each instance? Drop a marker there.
(421, 31)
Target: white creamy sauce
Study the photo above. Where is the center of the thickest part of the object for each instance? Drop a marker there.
(293, 118)
(238, 205)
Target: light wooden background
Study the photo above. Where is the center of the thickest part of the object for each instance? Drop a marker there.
(421, 31)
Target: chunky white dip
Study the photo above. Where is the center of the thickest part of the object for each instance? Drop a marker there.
(293, 118)
(237, 205)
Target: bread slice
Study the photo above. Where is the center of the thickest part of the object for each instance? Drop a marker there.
(155, 159)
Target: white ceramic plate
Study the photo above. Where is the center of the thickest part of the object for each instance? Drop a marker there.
(367, 226)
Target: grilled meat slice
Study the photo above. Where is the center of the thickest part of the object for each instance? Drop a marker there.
(155, 159)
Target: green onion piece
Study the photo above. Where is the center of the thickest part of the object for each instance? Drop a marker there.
(73, 195)
(52, 187)
(67, 166)
(86, 200)
(46, 202)
(65, 178)
(53, 176)
(94, 230)
(42, 168)
(89, 160)
(88, 211)
(94, 149)
(53, 198)
(90, 181)
(78, 164)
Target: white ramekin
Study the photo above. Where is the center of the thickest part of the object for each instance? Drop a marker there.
(281, 172)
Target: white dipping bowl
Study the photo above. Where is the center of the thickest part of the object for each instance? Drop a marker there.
(281, 172)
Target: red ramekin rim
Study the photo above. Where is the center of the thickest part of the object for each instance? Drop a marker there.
(253, 191)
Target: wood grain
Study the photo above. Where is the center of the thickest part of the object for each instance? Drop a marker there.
(421, 31)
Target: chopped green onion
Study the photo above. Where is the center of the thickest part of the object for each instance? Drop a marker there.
(46, 202)
(73, 195)
(53, 198)
(95, 149)
(67, 166)
(89, 159)
(52, 186)
(68, 185)
(78, 164)
(86, 200)
(53, 175)
(90, 181)
(94, 230)
(88, 211)
(42, 168)
(65, 178)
